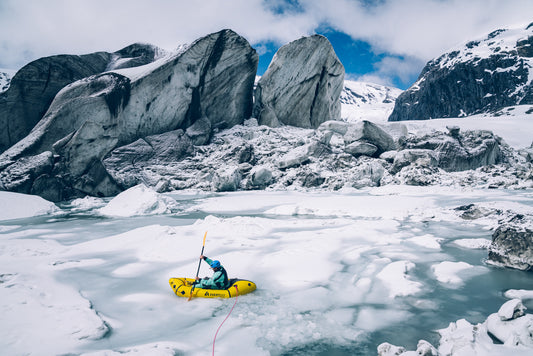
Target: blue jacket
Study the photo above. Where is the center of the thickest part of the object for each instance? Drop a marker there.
(219, 280)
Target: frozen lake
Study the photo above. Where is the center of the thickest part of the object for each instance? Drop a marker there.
(337, 273)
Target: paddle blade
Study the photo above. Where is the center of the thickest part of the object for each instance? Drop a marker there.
(205, 235)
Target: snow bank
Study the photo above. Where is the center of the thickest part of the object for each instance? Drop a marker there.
(138, 200)
(18, 206)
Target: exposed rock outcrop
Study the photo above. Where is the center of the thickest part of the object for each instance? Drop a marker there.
(302, 85)
(482, 76)
(210, 82)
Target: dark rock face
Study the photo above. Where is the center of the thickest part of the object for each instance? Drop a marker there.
(302, 85)
(469, 81)
(208, 85)
(512, 245)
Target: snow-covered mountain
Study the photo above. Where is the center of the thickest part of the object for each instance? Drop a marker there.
(5, 78)
(367, 101)
(479, 76)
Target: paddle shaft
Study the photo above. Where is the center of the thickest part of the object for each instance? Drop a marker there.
(199, 264)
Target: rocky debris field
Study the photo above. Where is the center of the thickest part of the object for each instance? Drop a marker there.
(338, 155)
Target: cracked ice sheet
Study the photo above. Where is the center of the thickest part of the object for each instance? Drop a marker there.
(39, 315)
(317, 275)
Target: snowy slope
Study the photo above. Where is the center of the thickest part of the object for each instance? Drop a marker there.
(5, 78)
(478, 76)
(367, 101)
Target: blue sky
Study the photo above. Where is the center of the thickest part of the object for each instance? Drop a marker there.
(357, 57)
(380, 41)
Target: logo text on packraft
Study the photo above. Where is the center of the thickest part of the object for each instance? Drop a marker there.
(213, 294)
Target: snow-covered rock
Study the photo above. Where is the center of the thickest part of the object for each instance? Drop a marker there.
(423, 348)
(301, 86)
(510, 327)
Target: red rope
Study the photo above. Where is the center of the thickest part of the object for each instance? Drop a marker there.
(236, 297)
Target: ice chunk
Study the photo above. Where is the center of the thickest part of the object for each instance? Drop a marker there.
(427, 241)
(519, 293)
(448, 272)
(19, 206)
(395, 277)
(86, 203)
(473, 243)
(138, 200)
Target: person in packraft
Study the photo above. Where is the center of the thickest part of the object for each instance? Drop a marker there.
(219, 280)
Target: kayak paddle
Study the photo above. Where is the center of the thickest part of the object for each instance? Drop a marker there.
(199, 263)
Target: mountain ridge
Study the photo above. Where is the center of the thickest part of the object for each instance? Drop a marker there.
(482, 75)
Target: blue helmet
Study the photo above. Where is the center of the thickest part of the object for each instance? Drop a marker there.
(215, 264)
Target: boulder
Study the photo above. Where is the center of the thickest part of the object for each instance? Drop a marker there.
(260, 177)
(357, 149)
(210, 82)
(512, 244)
(227, 179)
(301, 86)
(294, 158)
(366, 131)
(406, 157)
(200, 131)
(367, 174)
(339, 127)
(35, 85)
(313, 180)
(462, 151)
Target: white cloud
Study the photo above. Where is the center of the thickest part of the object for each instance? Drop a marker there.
(417, 30)
(420, 28)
